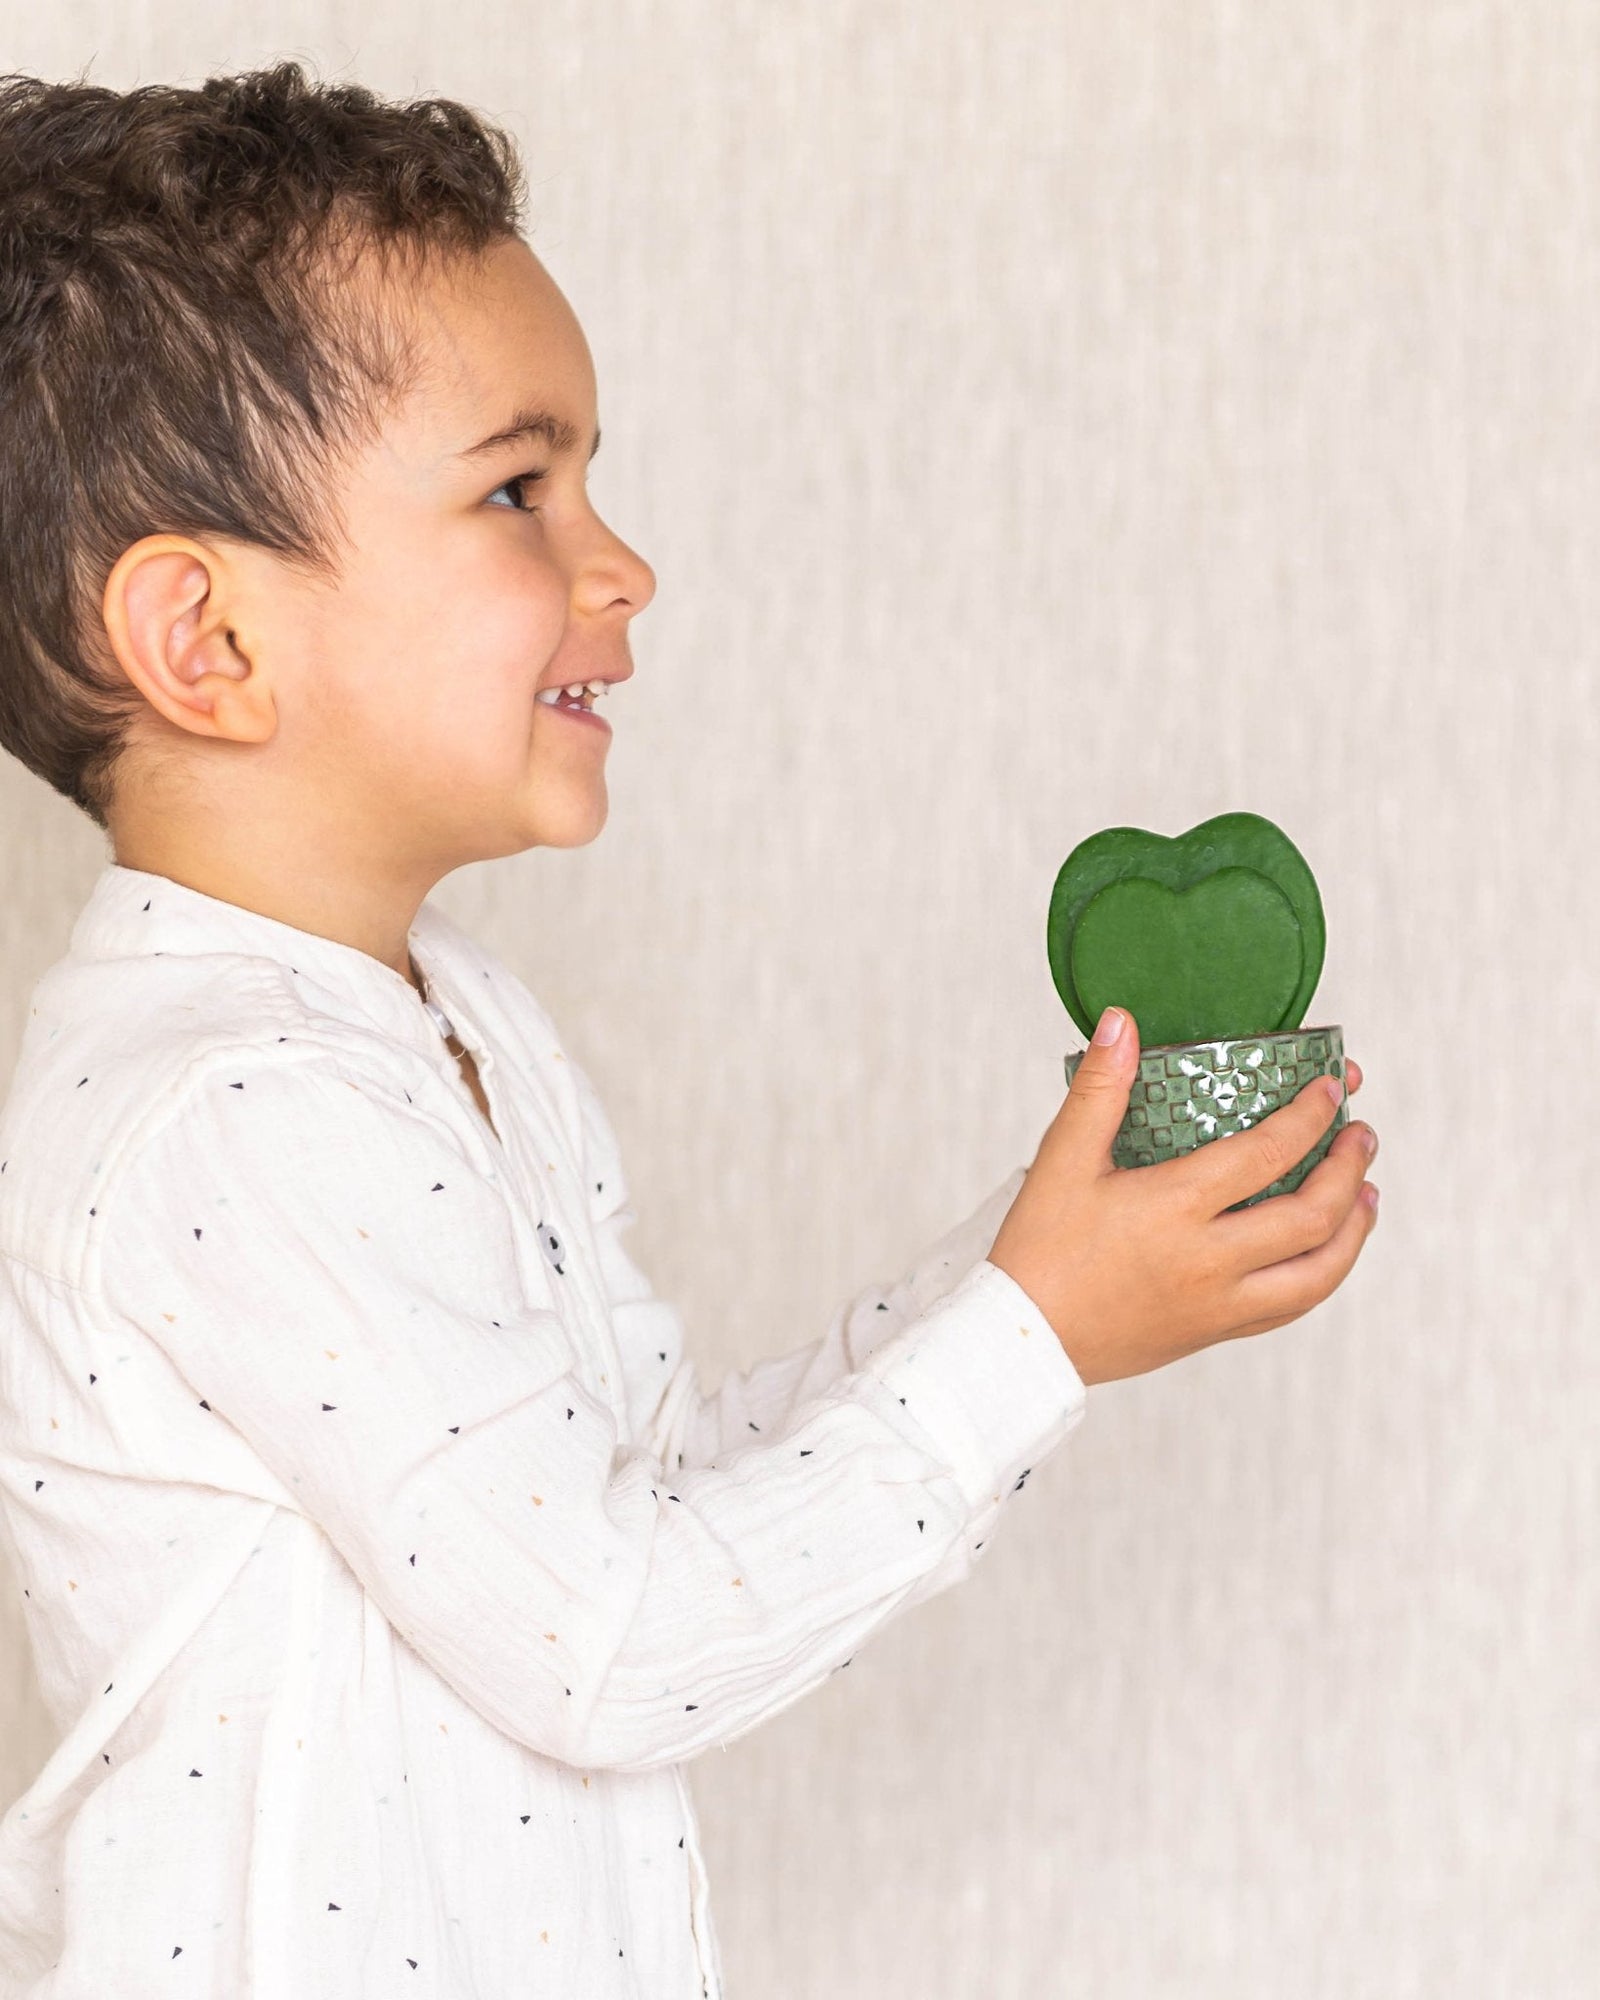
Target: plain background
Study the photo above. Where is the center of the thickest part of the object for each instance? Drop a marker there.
(1042, 418)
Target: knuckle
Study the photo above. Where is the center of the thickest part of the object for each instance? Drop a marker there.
(1320, 1278)
(1350, 1237)
(1271, 1146)
(1313, 1234)
(1282, 1148)
(1343, 1188)
(1323, 1213)
(1349, 1210)
(1215, 1265)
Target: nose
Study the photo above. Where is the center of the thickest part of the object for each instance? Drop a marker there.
(619, 578)
(641, 583)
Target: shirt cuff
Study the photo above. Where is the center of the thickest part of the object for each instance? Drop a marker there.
(984, 1376)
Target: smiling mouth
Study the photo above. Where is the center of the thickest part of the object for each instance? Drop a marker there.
(580, 711)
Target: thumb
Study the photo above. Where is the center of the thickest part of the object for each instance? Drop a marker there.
(1097, 1101)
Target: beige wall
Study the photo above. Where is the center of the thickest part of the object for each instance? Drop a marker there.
(1041, 418)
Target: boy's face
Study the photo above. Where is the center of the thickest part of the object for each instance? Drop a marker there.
(386, 726)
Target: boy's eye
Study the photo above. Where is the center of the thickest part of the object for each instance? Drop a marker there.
(519, 480)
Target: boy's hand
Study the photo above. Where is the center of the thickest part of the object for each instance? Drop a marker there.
(1137, 1268)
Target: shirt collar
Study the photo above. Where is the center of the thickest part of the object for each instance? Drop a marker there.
(132, 912)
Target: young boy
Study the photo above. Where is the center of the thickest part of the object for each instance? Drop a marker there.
(382, 1564)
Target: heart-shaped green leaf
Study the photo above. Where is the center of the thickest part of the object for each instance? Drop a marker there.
(1172, 957)
(1228, 841)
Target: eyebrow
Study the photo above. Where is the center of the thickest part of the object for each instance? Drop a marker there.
(524, 424)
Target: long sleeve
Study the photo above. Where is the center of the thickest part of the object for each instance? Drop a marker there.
(337, 1280)
(688, 1430)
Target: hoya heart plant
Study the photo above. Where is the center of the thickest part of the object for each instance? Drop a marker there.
(1213, 941)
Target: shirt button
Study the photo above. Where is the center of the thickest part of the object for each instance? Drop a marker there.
(550, 1243)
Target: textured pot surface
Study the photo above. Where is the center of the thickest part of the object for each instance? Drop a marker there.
(1189, 1093)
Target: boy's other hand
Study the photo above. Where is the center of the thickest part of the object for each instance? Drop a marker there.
(1137, 1267)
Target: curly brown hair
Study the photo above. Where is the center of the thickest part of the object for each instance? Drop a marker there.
(181, 350)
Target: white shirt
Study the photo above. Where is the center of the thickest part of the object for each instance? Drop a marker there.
(382, 1563)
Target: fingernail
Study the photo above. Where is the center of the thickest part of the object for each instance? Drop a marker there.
(1334, 1088)
(1369, 1140)
(1110, 1026)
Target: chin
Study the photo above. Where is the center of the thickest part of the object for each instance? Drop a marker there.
(569, 829)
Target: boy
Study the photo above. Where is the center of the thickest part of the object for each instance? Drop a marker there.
(383, 1565)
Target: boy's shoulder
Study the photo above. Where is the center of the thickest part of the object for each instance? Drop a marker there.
(112, 1047)
(162, 988)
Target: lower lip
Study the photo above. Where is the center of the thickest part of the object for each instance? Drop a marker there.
(579, 715)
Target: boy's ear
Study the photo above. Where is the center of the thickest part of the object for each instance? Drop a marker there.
(165, 607)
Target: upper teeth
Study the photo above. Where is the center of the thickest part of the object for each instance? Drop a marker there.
(577, 690)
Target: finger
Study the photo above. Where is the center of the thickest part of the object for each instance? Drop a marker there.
(1097, 1099)
(1254, 1239)
(1235, 1165)
(1286, 1290)
(1262, 1326)
(1352, 1075)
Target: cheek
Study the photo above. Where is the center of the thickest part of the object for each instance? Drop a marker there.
(439, 659)
(477, 716)
(479, 719)
(498, 633)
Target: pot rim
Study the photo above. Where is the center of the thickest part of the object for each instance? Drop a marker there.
(1232, 1041)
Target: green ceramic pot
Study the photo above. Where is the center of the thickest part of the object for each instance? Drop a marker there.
(1189, 1093)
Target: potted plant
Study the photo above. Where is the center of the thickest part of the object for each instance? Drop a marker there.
(1213, 941)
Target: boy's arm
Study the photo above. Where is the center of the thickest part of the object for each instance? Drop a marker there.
(685, 1429)
(758, 1399)
(337, 1280)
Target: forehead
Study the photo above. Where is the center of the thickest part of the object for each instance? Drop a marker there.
(494, 333)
